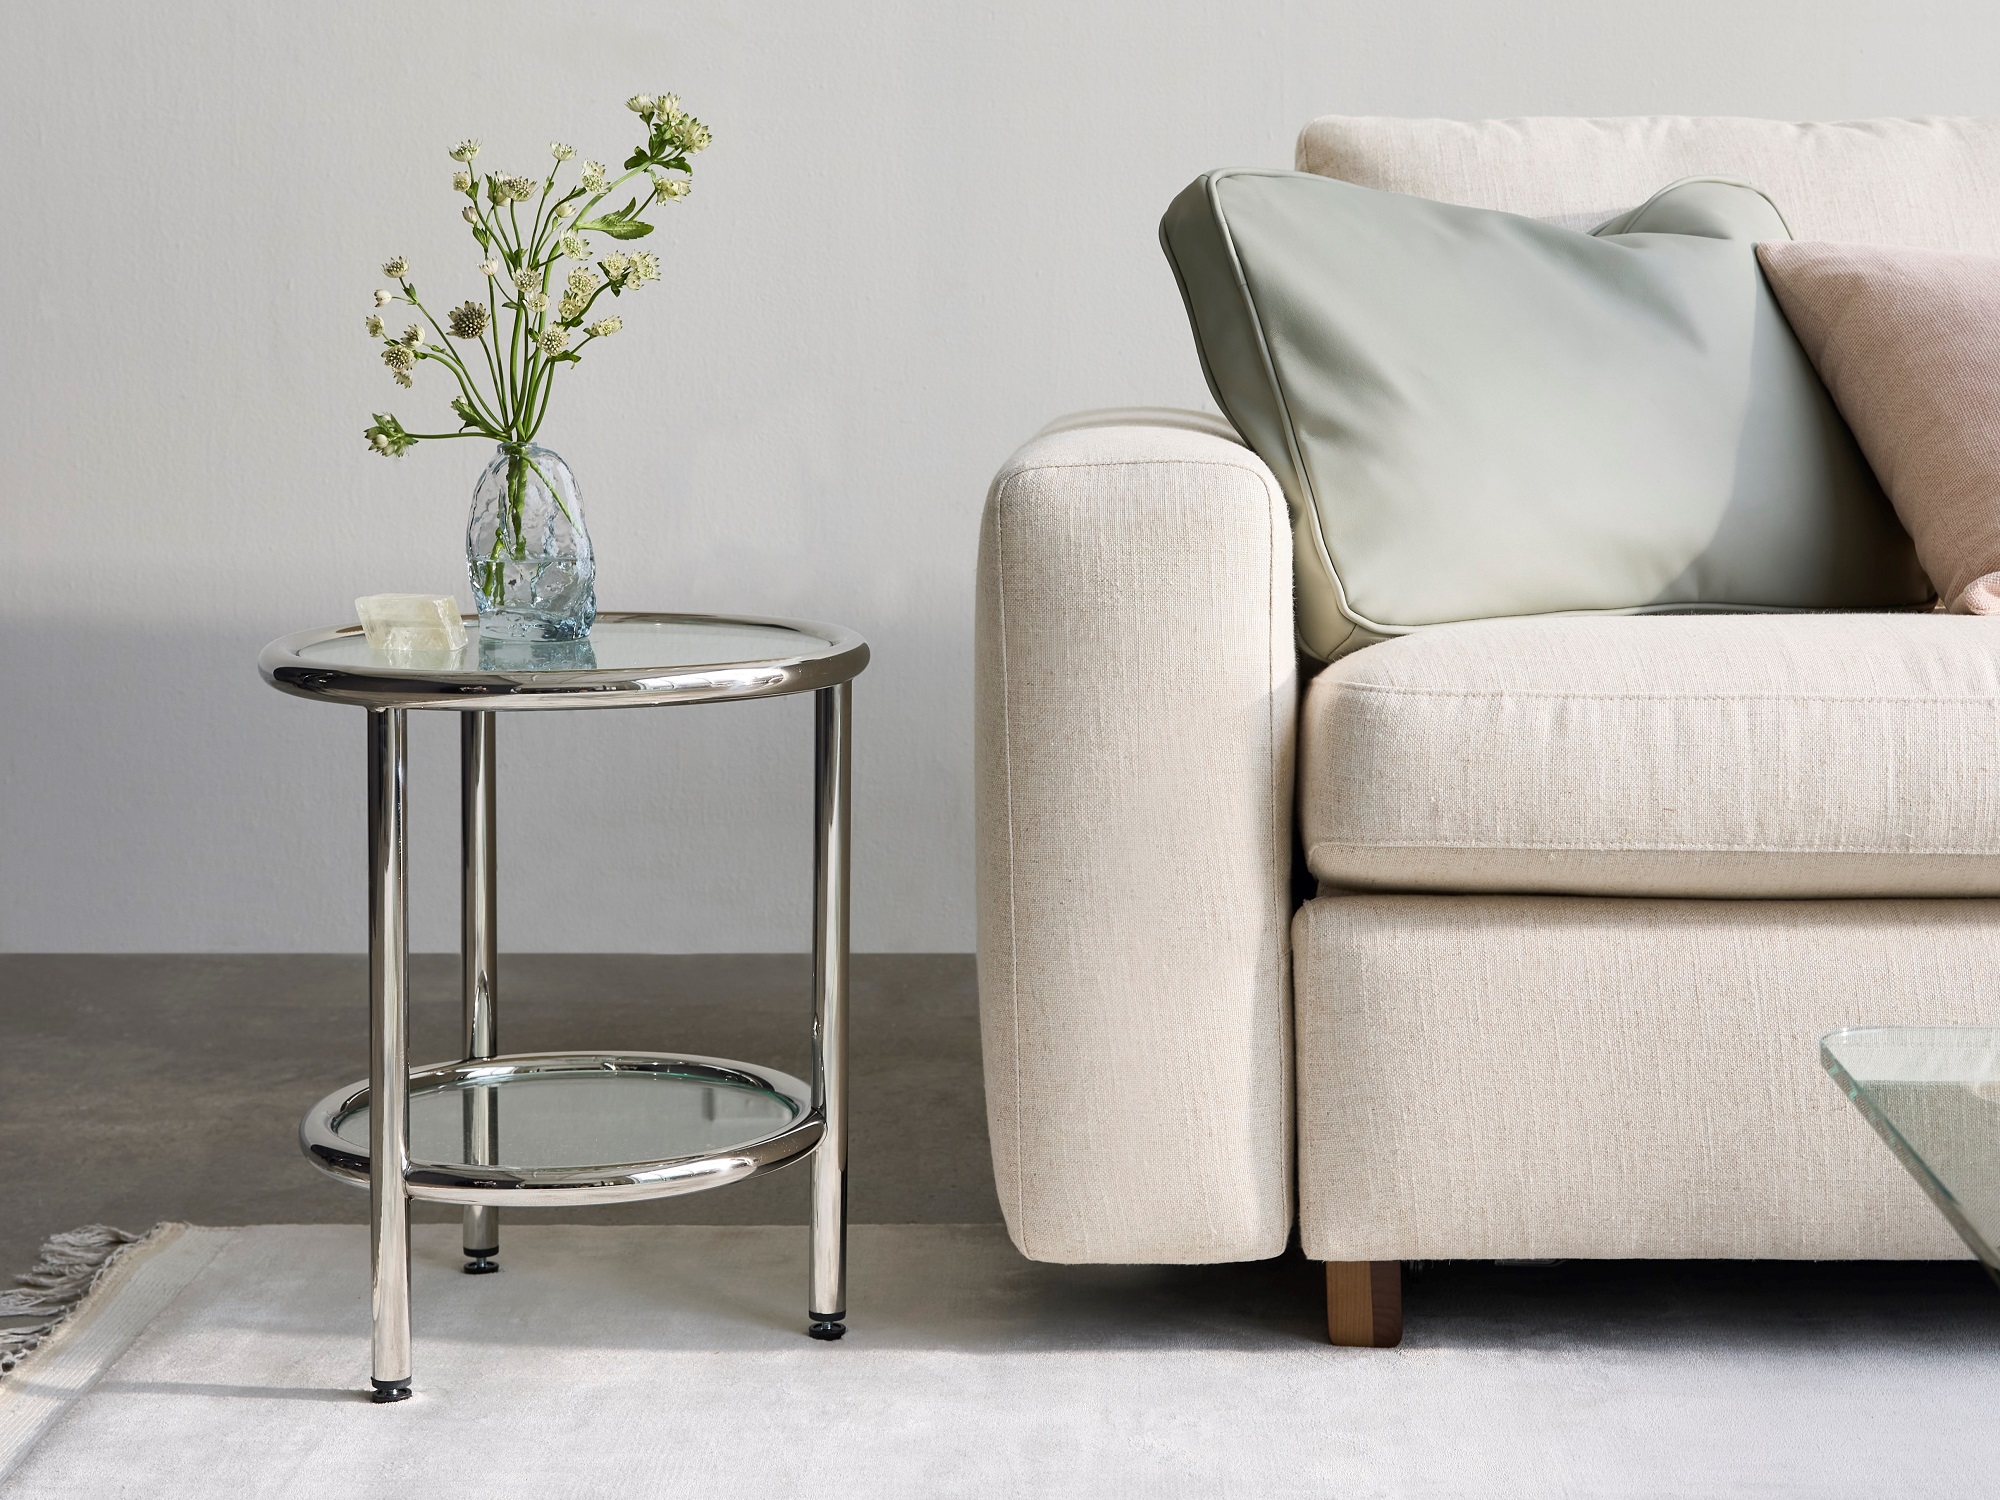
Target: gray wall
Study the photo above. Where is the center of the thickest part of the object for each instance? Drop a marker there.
(923, 230)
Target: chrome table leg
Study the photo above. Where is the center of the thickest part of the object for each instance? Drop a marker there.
(479, 950)
(833, 718)
(388, 1054)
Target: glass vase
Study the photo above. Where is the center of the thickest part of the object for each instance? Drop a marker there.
(533, 576)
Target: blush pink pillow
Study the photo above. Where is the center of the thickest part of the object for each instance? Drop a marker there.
(1908, 343)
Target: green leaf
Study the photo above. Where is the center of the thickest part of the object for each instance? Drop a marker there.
(631, 207)
(619, 223)
(636, 159)
(485, 239)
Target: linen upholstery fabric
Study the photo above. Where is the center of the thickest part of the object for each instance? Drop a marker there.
(1134, 727)
(1475, 414)
(1930, 182)
(1905, 340)
(1714, 755)
(1412, 1022)
(1552, 1076)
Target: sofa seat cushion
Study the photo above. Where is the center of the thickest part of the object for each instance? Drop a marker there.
(1691, 755)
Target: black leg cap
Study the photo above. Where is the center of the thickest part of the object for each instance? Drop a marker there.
(826, 1328)
(481, 1262)
(389, 1390)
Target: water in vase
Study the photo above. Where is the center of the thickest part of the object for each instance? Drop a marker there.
(526, 549)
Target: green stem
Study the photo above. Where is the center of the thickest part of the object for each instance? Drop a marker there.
(493, 327)
(452, 362)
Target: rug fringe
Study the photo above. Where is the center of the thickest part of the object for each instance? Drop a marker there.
(72, 1264)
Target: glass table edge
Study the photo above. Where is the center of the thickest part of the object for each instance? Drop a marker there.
(1941, 1196)
(845, 657)
(608, 1181)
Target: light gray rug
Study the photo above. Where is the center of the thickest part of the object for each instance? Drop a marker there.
(671, 1361)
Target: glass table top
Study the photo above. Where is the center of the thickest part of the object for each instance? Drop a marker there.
(627, 658)
(581, 1119)
(615, 645)
(1933, 1094)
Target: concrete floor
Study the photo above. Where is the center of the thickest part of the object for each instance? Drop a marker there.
(135, 1088)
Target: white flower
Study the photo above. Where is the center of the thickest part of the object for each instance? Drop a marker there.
(527, 281)
(617, 266)
(555, 341)
(516, 189)
(412, 336)
(397, 267)
(489, 268)
(645, 268)
(469, 214)
(465, 151)
(398, 358)
(467, 321)
(688, 132)
(576, 247)
(582, 281)
(374, 326)
(594, 176)
(383, 298)
(536, 302)
(603, 328)
(572, 307)
(642, 104)
(566, 210)
(461, 182)
(561, 152)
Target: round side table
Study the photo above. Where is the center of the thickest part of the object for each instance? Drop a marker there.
(549, 1129)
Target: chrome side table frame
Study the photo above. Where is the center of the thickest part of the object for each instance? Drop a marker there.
(388, 1052)
(480, 949)
(825, 665)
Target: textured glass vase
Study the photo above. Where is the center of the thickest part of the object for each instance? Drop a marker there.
(526, 549)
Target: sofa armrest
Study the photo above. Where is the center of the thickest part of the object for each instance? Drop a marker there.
(1136, 698)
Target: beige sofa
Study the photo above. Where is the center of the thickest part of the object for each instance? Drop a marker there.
(1588, 888)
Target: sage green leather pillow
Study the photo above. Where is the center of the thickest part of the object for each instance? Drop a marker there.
(1475, 414)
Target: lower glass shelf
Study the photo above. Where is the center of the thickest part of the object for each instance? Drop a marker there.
(576, 1128)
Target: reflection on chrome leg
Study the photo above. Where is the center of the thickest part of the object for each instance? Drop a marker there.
(833, 717)
(479, 959)
(388, 1054)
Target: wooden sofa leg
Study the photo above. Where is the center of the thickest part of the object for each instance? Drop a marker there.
(1364, 1303)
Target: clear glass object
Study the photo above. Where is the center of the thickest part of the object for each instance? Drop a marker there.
(583, 1119)
(527, 551)
(410, 622)
(1933, 1095)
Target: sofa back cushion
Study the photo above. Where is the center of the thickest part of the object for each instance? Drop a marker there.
(1931, 182)
(1476, 414)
